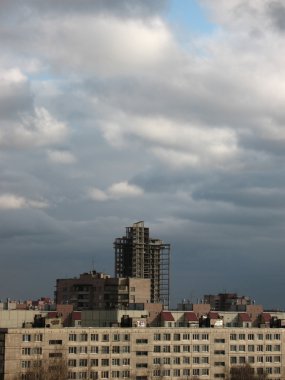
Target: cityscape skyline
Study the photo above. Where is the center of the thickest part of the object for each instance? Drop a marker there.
(167, 111)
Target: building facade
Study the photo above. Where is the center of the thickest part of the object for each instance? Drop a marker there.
(137, 255)
(142, 353)
(93, 291)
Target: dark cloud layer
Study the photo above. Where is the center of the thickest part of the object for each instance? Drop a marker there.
(106, 118)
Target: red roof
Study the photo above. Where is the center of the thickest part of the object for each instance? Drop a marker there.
(266, 317)
(244, 317)
(213, 315)
(52, 314)
(167, 316)
(76, 316)
(191, 316)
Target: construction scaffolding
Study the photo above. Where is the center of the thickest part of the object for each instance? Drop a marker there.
(137, 255)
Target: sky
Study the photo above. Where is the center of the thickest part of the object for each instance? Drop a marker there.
(167, 111)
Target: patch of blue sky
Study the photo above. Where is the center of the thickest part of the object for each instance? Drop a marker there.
(189, 17)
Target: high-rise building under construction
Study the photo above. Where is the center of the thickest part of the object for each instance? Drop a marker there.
(140, 256)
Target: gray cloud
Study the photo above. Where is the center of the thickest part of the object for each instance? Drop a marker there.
(105, 119)
(276, 11)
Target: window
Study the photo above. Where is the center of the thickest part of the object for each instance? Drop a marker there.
(105, 375)
(156, 360)
(166, 372)
(72, 362)
(125, 349)
(268, 359)
(219, 364)
(156, 373)
(276, 359)
(219, 375)
(104, 362)
(176, 336)
(116, 362)
(204, 372)
(233, 347)
(38, 337)
(26, 364)
(186, 336)
(268, 347)
(259, 348)
(260, 336)
(71, 375)
(276, 336)
(83, 337)
(26, 351)
(219, 340)
(176, 360)
(115, 374)
(259, 359)
(196, 348)
(105, 350)
(241, 348)
(242, 360)
(26, 337)
(196, 372)
(233, 360)
(126, 337)
(116, 337)
(251, 348)
(165, 348)
(250, 337)
(241, 336)
(268, 337)
(276, 347)
(205, 336)
(276, 370)
(186, 348)
(156, 337)
(204, 360)
(94, 337)
(82, 362)
(94, 362)
(196, 360)
(125, 361)
(233, 337)
(94, 349)
(219, 352)
(204, 348)
(186, 372)
(166, 337)
(105, 337)
(55, 355)
(55, 341)
(125, 373)
(141, 341)
(156, 348)
(141, 353)
(165, 360)
(72, 337)
(176, 348)
(186, 360)
(250, 359)
(176, 372)
(196, 336)
(141, 365)
(72, 350)
(82, 375)
(116, 349)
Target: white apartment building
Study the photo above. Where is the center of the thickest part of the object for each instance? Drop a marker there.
(142, 353)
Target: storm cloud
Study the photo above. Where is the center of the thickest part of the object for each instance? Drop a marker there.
(108, 117)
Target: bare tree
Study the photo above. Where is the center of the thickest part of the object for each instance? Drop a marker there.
(245, 372)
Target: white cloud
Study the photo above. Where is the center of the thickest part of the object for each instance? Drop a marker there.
(97, 195)
(124, 190)
(117, 190)
(61, 157)
(11, 201)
